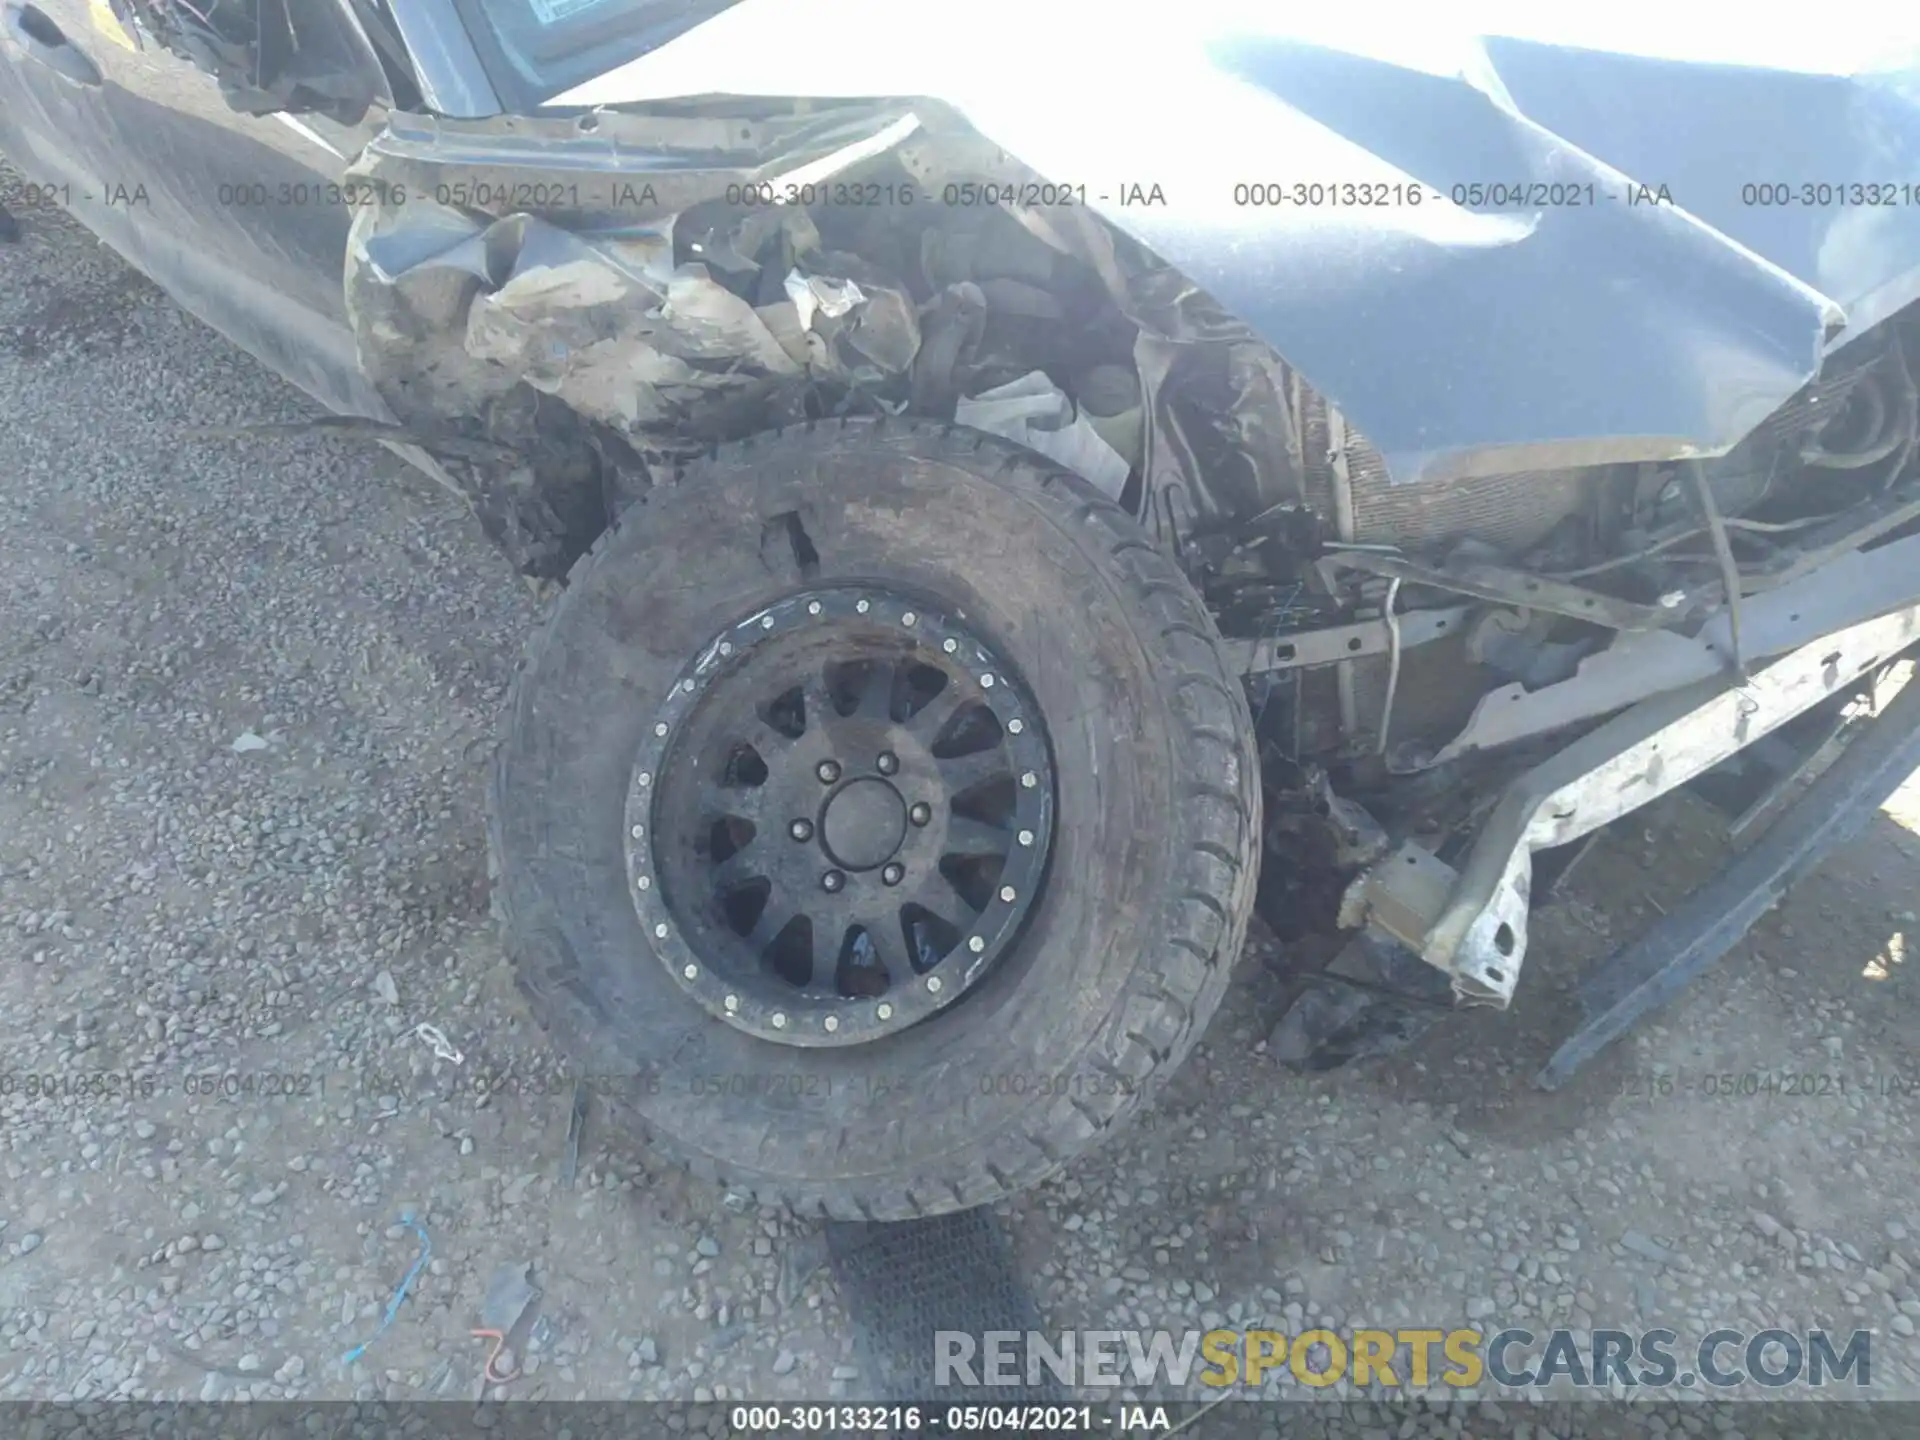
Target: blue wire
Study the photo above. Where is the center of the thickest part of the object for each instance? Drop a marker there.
(400, 1294)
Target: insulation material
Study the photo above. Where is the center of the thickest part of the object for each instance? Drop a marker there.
(1034, 412)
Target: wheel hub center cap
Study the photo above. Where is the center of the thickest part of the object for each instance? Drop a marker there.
(864, 824)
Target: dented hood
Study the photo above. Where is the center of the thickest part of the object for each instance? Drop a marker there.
(1617, 289)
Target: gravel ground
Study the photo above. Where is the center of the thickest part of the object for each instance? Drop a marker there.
(245, 691)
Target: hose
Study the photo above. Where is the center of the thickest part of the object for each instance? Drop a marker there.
(1881, 437)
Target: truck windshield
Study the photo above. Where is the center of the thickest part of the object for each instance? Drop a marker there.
(535, 49)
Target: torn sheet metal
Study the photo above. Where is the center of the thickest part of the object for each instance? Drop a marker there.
(601, 318)
(646, 280)
(1620, 291)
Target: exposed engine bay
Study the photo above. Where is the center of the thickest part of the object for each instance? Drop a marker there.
(601, 313)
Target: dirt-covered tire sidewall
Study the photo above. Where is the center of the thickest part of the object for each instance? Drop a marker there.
(1125, 954)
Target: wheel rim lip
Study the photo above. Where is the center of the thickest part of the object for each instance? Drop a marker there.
(858, 1020)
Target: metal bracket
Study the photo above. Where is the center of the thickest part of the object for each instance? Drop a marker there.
(1303, 649)
(1855, 588)
(1479, 937)
(1710, 922)
(1405, 895)
(1506, 587)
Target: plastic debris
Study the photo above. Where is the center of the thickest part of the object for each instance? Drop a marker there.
(821, 295)
(511, 1296)
(400, 1292)
(384, 987)
(803, 1258)
(493, 1375)
(576, 1127)
(1034, 412)
(443, 1048)
(247, 742)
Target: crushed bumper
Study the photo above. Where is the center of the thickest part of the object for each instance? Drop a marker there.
(1471, 923)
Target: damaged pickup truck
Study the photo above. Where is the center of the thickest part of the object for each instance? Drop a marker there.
(1015, 506)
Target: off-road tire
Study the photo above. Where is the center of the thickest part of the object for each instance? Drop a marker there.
(1124, 957)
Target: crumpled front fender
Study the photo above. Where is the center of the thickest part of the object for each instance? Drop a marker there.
(1663, 315)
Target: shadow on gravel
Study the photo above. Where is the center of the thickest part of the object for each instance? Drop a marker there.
(91, 312)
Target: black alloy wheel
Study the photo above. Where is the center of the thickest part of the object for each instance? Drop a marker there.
(839, 817)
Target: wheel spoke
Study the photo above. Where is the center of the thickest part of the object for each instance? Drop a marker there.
(817, 703)
(964, 772)
(890, 949)
(876, 692)
(975, 837)
(767, 742)
(931, 718)
(736, 870)
(829, 934)
(937, 896)
(773, 919)
(745, 802)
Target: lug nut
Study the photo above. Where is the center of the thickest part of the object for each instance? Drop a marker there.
(887, 763)
(1026, 837)
(800, 830)
(976, 944)
(832, 881)
(828, 771)
(1028, 779)
(893, 874)
(921, 813)
(885, 1012)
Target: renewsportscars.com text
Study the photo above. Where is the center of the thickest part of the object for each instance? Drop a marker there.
(1511, 1359)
